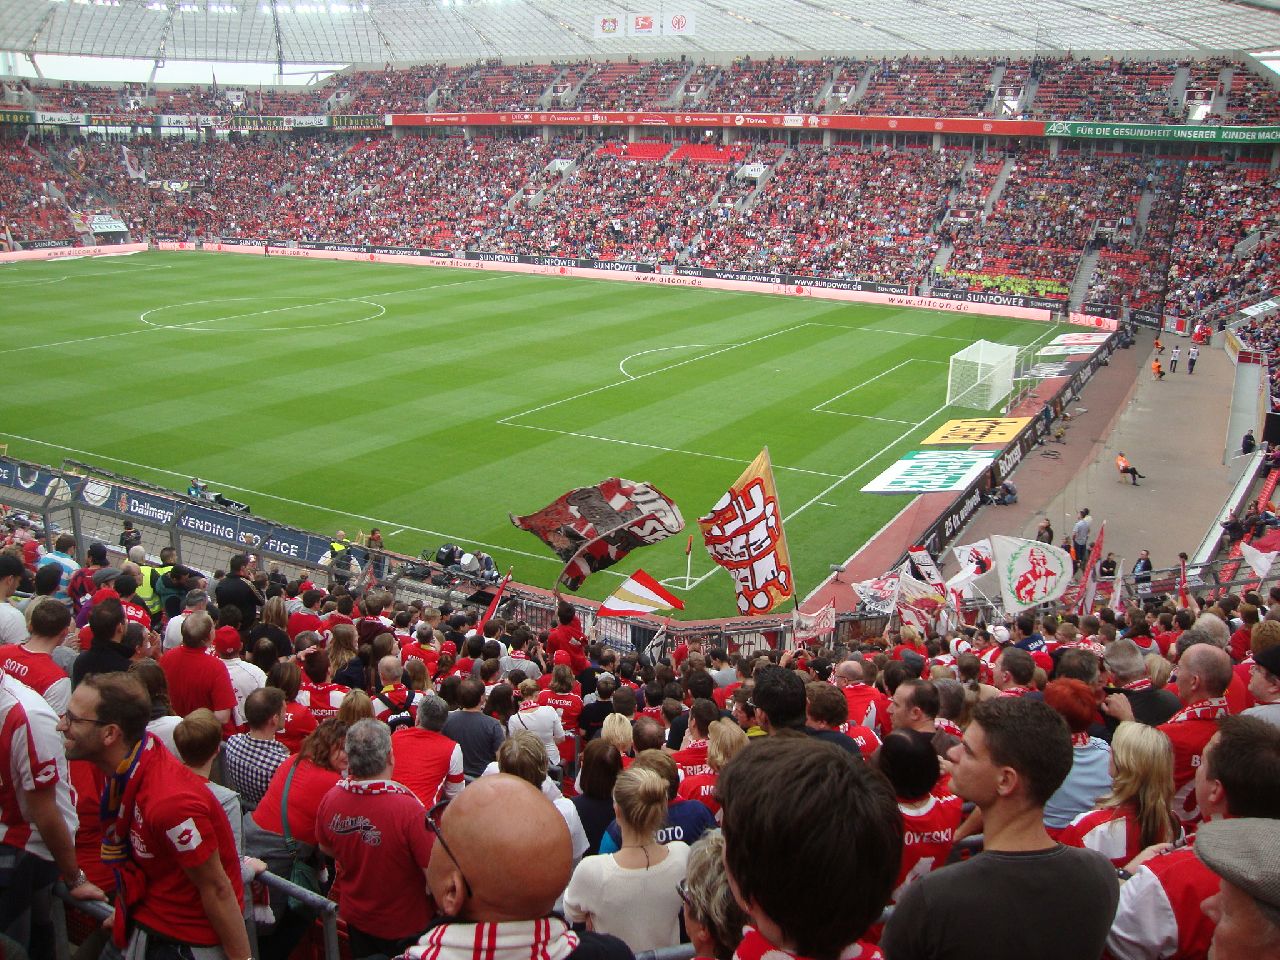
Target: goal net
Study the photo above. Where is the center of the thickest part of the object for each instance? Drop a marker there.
(981, 375)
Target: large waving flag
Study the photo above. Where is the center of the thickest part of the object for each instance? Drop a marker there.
(743, 533)
(1030, 572)
(1261, 561)
(638, 595)
(919, 604)
(1089, 585)
(592, 528)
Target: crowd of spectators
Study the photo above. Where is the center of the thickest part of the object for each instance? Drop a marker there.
(1108, 90)
(31, 212)
(1068, 88)
(1133, 270)
(633, 85)
(1221, 205)
(766, 86)
(869, 214)
(915, 86)
(754, 803)
(1044, 219)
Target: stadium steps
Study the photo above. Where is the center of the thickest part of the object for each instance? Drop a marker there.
(1145, 203)
(1083, 277)
(1178, 90)
(863, 82)
(997, 77)
(750, 199)
(1219, 106)
(997, 188)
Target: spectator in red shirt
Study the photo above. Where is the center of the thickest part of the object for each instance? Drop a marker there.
(375, 829)
(190, 870)
(31, 661)
(426, 761)
(724, 739)
(1203, 676)
(868, 707)
(196, 678)
(568, 636)
(562, 696)
(317, 693)
(308, 776)
(827, 719)
(914, 706)
(393, 697)
(298, 720)
(691, 758)
(308, 618)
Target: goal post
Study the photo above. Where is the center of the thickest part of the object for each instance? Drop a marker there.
(981, 375)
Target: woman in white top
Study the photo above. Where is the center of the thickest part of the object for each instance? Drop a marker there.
(542, 721)
(632, 893)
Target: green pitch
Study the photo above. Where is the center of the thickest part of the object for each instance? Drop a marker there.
(433, 402)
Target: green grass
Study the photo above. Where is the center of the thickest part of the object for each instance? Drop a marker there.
(434, 402)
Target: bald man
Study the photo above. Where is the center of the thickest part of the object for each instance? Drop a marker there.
(1204, 673)
(485, 895)
(868, 707)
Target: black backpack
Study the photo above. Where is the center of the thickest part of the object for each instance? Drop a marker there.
(401, 716)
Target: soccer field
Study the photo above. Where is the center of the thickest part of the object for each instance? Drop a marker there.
(433, 402)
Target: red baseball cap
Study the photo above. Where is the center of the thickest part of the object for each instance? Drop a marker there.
(561, 657)
(227, 640)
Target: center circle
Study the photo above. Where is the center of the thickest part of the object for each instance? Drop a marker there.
(261, 314)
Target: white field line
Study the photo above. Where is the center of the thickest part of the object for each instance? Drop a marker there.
(859, 416)
(654, 446)
(859, 386)
(853, 556)
(45, 281)
(297, 503)
(194, 323)
(622, 364)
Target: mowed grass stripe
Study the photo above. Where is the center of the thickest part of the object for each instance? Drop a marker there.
(397, 418)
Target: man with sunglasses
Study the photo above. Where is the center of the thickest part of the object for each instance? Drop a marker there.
(494, 905)
(37, 818)
(165, 835)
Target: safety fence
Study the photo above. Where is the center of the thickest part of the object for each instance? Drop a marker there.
(74, 920)
(93, 503)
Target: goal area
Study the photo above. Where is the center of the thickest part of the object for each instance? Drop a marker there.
(981, 375)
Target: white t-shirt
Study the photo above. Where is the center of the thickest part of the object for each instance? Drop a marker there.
(544, 722)
(173, 632)
(245, 678)
(639, 906)
(13, 625)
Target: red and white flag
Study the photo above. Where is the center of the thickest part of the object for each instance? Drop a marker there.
(1089, 586)
(809, 627)
(493, 604)
(639, 594)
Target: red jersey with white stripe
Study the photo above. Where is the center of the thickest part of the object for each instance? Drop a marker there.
(868, 707)
(322, 699)
(1159, 915)
(701, 787)
(1114, 832)
(568, 706)
(40, 672)
(33, 759)
(416, 651)
(866, 739)
(692, 760)
(928, 834)
(1189, 730)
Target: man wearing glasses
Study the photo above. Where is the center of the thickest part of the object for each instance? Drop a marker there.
(493, 904)
(164, 833)
(37, 818)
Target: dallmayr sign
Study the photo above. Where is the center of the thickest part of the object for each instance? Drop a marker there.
(1140, 131)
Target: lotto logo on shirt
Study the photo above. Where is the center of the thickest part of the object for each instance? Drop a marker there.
(184, 837)
(46, 773)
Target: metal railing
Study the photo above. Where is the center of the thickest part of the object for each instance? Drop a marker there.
(99, 911)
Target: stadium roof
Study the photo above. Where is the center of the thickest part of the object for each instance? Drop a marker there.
(403, 31)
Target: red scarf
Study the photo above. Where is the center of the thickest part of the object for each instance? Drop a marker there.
(948, 726)
(755, 947)
(1142, 683)
(1212, 709)
(372, 788)
(1080, 739)
(1015, 692)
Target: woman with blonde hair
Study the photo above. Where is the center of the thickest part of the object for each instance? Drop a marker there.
(724, 739)
(543, 721)
(617, 731)
(355, 706)
(632, 893)
(712, 916)
(1138, 811)
(343, 649)
(1159, 670)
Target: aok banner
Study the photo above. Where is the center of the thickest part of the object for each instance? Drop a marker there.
(1139, 131)
(933, 471)
(978, 430)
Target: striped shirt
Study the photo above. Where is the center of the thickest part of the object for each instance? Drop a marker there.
(69, 567)
(33, 760)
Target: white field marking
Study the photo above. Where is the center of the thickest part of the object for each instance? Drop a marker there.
(394, 532)
(870, 540)
(671, 366)
(297, 503)
(823, 503)
(859, 386)
(44, 281)
(130, 333)
(199, 326)
(860, 416)
(654, 446)
(622, 364)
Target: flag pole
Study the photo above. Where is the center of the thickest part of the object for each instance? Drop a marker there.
(688, 562)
